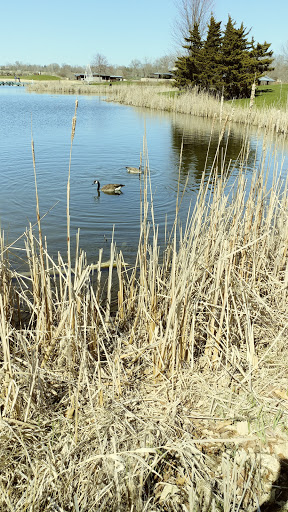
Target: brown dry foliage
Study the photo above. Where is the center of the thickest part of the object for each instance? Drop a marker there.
(176, 402)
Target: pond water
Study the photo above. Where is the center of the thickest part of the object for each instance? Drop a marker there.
(108, 137)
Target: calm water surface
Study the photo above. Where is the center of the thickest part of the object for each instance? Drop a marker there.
(108, 137)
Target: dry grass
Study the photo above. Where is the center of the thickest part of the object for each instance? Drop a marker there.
(176, 403)
(163, 97)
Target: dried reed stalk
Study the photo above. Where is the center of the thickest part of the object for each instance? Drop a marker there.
(44, 292)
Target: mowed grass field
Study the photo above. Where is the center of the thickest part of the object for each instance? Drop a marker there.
(275, 95)
(31, 77)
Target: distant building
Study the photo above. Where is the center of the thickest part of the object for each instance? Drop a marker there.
(99, 77)
(116, 78)
(265, 80)
(152, 77)
(162, 76)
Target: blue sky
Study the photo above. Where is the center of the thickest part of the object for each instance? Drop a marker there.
(71, 32)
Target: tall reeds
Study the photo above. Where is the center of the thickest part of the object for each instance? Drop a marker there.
(165, 97)
(129, 410)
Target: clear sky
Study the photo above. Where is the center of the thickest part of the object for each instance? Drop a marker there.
(70, 32)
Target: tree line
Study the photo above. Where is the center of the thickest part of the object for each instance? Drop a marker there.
(99, 64)
(226, 62)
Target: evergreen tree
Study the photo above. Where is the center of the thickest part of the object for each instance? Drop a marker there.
(189, 66)
(228, 63)
(261, 58)
(235, 62)
(210, 76)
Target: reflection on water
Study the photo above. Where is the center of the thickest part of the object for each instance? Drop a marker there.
(108, 138)
(200, 140)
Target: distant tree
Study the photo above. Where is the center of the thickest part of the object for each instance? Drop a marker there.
(189, 13)
(147, 68)
(135, 68)
(53, 68)
(117, 70)
(19, 64)
(285, 51)
(280, 71)
(188, 67)
(66, 71)
(210, 76)
(99, 64)
(78, 69)
(165, 63)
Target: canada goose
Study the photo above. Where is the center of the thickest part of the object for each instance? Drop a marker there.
(111, 188)
(134, 170)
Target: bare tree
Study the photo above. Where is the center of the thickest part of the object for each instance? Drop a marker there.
(100, 64)
(165, 63)
(66, 71)
(285, 51)
(280, 65)
(136, 68)
(147, 67)
(190, 12)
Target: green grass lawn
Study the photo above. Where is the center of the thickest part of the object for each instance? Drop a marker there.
(40, 77)
(32, 77)
(275, 95)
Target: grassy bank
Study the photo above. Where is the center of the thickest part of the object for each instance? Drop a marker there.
(177, 402)
(38, 78)
(269, 96)
(163, 97)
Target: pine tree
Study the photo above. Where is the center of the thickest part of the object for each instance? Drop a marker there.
(235, 62)
(189, 66)
(210, 77)
(228, 63)
(261, 58)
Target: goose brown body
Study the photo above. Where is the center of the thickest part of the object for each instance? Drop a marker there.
(134, 170)
(110, 188)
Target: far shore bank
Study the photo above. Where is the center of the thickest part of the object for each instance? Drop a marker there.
(163, 96)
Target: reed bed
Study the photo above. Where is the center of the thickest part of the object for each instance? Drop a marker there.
(177, 402)
(163, 97)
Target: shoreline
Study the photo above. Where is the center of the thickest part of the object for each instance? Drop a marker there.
(163, 97)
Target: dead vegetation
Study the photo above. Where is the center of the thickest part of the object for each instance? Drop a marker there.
(179, 401)
(164, 97)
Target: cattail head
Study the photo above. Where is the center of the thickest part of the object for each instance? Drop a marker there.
(252, 97)
(73, 127)
(74, 121)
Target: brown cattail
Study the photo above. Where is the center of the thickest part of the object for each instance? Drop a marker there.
(252, 97)
(73, 128)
